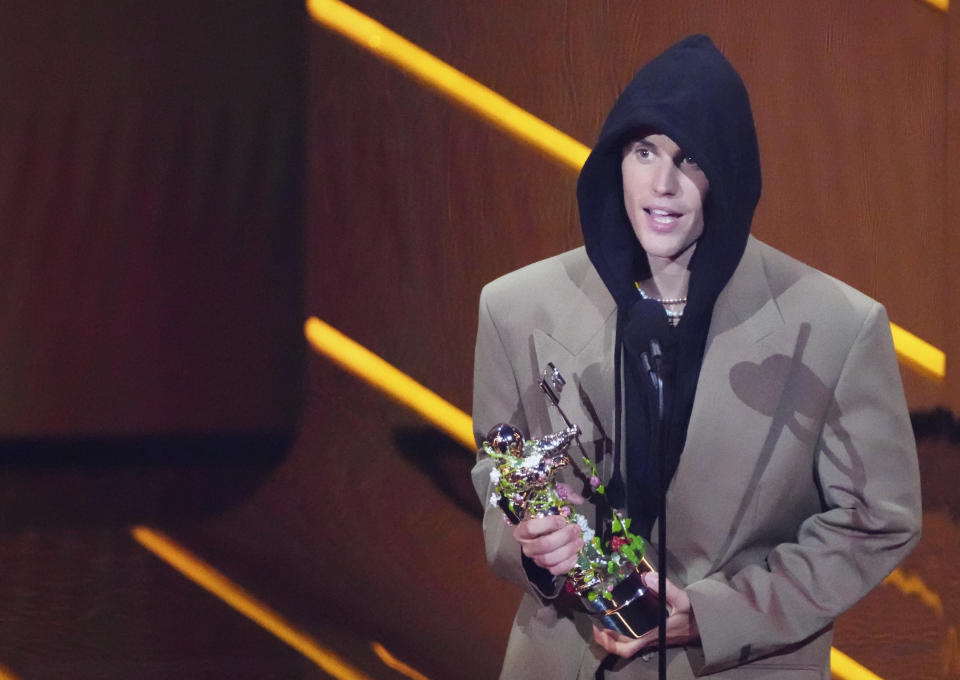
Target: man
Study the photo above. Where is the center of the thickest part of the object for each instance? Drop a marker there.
(793, 477)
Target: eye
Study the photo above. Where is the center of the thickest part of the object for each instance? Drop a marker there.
(643, 151)
(689, 161)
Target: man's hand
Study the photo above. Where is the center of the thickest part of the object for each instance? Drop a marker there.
(681, 625)
(551, 542)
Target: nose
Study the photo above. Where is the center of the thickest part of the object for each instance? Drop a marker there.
(665, 180)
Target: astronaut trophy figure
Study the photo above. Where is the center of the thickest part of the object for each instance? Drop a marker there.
(606, 576)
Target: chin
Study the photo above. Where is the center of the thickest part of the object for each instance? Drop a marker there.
(658, 247)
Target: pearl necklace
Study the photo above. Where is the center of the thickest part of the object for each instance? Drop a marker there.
(673, 316)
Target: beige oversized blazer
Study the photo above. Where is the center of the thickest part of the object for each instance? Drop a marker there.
(797, 490)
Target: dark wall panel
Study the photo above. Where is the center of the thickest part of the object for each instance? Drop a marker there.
(150, 217)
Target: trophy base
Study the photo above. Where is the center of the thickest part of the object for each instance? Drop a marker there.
(633, 610)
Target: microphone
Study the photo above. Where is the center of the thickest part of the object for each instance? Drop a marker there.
(655, 352)
(652, 367)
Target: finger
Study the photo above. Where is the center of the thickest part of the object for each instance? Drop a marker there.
(545, 543)
(555, 549)
(538, 526)
(555, 564)
(609, 635)
(651, 580)
(614, 643)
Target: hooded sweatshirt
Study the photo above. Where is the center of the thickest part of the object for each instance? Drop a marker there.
(693, 95)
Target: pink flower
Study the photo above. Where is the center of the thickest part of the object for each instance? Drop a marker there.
(594, 482)
(565, 511)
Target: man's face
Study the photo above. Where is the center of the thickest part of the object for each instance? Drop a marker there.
(663, 192)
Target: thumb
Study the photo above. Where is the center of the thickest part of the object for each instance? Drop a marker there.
(651, 580)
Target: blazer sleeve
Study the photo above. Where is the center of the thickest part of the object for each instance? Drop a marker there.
(866, 466)
(496, 399)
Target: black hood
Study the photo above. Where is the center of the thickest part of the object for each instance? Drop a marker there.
(693, 95)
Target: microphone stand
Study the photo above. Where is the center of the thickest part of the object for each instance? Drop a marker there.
(651, 364)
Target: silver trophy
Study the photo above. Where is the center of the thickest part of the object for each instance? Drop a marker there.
(607, 575)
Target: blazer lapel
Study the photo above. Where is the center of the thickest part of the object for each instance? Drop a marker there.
(747, 303)
(579, 343)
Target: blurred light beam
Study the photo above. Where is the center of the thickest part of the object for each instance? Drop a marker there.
(361, 362)
(918, 354)
(213, 581)
(448, 81)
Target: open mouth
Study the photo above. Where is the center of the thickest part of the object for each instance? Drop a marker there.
(664, 217)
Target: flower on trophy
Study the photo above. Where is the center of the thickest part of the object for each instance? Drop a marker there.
(594, 482)
(618, 542)
(494, 500)
(565, 511)
(494, 475)
(531, 461)
(586, 531)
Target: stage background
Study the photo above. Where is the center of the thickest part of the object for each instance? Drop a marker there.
(181, 185)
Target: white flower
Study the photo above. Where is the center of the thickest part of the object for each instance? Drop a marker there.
(494, 475)
(584, 525)
(494, 500)
(532, 461)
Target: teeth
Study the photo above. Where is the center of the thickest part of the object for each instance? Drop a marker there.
(661, 216)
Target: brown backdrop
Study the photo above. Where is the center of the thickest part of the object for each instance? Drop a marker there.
(150, 217)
